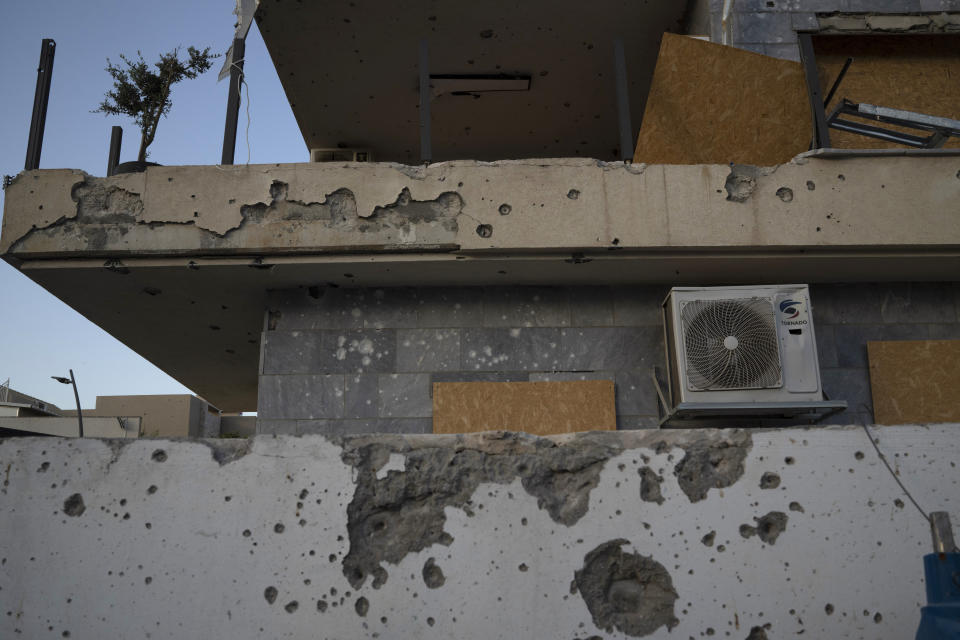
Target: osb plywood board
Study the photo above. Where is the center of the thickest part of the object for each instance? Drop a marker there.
(712, 104)
(541, 408)
(915, 381)
(913, 72)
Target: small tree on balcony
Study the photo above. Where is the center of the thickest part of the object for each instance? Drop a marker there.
(143, 93)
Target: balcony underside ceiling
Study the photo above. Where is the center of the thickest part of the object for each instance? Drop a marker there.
(350, 72)
(200, 320)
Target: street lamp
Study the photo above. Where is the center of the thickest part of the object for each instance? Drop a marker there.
(76, 395)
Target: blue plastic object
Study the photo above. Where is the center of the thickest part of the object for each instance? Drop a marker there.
(940, 619)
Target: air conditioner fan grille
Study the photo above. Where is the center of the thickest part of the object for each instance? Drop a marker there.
(731, 344)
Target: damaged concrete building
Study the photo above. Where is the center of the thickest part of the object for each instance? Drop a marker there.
(473, 215)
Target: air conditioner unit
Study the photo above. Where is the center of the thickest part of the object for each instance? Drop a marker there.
(741, 351)
(341, 155)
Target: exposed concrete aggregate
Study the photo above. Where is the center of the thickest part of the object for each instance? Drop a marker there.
(627, 591)
(403, 512)
(712, 465)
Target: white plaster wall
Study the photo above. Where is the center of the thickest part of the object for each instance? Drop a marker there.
(174, 563)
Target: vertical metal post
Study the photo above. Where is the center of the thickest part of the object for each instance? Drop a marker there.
(76, 395)
(426, 153)
(821, 132)
(233, 101)
(40, 99)
(623, 101)
(942, 532)
(116, 139)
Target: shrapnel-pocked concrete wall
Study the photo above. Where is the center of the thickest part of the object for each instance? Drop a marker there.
(672, 534)
(342, 360)
(545, 204)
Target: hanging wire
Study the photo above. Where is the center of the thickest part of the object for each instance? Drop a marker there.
(893, 473)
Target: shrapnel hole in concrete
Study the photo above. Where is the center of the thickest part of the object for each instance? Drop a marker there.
(627, 591)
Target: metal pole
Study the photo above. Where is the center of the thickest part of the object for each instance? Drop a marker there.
(116, 139)
(941, 532)
(233, 101)
(40, 99)
(623, 101)
(77, 396)
(821, 132)
(426, 153)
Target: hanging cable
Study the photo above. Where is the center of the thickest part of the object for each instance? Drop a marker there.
(883, 458)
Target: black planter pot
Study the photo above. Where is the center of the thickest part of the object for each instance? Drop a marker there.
(134, 166)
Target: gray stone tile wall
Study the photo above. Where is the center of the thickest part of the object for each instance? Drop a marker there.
(847, 316)
(770, 26)
(374, 354)
(354, 361)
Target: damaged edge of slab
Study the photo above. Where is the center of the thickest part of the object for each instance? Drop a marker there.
(402, 511)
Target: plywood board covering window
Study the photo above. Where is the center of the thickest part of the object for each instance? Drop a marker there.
(713, 104)
(915, 381)
(540, 408)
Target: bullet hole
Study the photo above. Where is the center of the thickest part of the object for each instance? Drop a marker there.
(152, 291)
(573, 194)
(291, 606)
(433, 575)
(152, 489)
(484, 230)
(362, 605)
(877, 617)
(486, 34)
(769, 480)
(958, 175)
(196, 214)
(505, 209)
(829, 609)
(321, 605)
(615, 241)
(523, 567)
(789, 460)
(841, 177)
(502, 272)
(270, 594)
(708, 539)
(785, 194)
(858, 455)
(431, 622)
(650, 486)
(193, 265)
(348, 275)
(147, 580)
(214, 327)
(811, 186)
(332, 557)
(159, 456)
(278, 528)
(818, 228)
(759, 633)
(246, 533)
(43, 467)
(899, 503)
(768, 529)
(73, 506)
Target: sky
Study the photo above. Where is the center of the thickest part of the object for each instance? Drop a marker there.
(39, 335)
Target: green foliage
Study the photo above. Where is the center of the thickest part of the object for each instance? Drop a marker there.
(142, 91)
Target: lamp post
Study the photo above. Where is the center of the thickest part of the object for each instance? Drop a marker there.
(72, 380)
